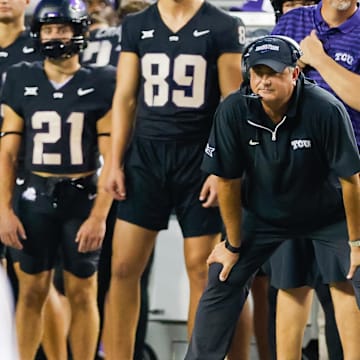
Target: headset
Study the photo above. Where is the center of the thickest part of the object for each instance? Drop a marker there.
(296, 52)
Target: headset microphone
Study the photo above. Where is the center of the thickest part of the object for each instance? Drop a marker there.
(252, 96)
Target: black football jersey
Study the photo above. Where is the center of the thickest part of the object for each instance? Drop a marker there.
(22, 49)
(103, 48)
(60, 132)
(179, 88)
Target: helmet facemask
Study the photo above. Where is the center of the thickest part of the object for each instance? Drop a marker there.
(70, 12)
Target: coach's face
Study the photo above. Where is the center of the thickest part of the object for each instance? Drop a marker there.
(272, 86)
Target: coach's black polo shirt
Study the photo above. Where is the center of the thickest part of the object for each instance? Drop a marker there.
(287, 169)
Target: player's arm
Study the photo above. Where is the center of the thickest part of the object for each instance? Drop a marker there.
(351, 197)
(124, 105)
(92, 231)
(342, 81)
(229, 197)
(229, 70)
(10, 226)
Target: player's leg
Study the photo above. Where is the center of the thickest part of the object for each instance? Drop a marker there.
(35, 261)
(145, 212)
(260, 295)
(33, 292)
(292, 312)
(104, 273)
(84, 326)
(80, 268)
(132, 247)
(196, 252)
(56, 324)
(144, 311)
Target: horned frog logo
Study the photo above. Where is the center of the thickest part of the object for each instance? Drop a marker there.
(77, 6)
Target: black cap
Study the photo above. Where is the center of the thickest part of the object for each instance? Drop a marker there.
(273, 52)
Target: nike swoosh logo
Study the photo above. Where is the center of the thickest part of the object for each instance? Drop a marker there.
(82, 92)
(198, 33)
(92, 196)
(20, 181)
(253, 143)
(28, 50)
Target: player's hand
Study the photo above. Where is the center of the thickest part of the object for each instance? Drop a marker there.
(208, 193)
(222, 255)
(91, 234)
(115, 185)
(313, 50)
(11, 229)
(354, 261)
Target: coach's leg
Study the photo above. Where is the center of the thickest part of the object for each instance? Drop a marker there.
(197, 250)
(332, 337)
(132, 246)
(217, 315)
(33, 292)
(292, 312)
(347, 316)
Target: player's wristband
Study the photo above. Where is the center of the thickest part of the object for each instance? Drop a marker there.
(231, 248)
(354, 243)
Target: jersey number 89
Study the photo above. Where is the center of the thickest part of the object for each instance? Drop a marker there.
(156, 70)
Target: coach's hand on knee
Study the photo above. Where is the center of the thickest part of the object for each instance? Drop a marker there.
(225, 257)
(354, 261)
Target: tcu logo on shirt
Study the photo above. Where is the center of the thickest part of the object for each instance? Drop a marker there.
(344, 57)
(301, 144)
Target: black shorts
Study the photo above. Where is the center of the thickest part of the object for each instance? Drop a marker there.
(294, 264)
(51, 211)
(303, 258)
(162, 177)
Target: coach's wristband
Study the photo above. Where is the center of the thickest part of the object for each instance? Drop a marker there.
(354, 243)
(231, 248)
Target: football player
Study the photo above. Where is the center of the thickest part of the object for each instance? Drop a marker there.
(16, 45)
(61, 111)
(177, 59)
